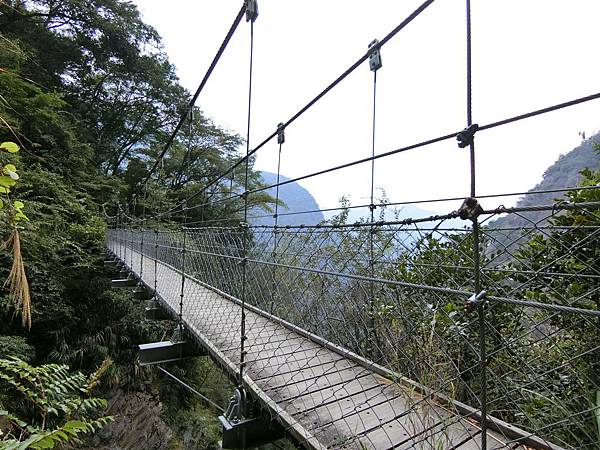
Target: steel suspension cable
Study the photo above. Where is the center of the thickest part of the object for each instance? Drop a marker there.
(192, 102)
(244, 224)
(191, 389)
(375, 65)
(318, 97)
(481, 309)
(417, 145)
(280, 141)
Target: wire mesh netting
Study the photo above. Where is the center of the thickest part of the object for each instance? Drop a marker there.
(406, 309)
(478, 328)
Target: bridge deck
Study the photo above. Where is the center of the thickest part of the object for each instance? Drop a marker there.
(321, 396)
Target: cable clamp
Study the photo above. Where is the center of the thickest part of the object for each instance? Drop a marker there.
(251, 10)
(470, 209)
(466, 136)
(374, 55)
(475, 300)
(243, 225)
(280, 133)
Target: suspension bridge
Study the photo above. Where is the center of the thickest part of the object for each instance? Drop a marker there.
(404, 333)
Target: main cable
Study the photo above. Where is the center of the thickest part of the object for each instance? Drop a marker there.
(192, 102)
(244, 224)
(318, 97)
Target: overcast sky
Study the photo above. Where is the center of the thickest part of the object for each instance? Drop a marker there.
(527, 54)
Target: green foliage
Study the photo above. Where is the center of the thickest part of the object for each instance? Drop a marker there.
(192, 420)
(16, 346)
(61, 400)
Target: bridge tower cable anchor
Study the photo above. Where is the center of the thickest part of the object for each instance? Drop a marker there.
(244, 426)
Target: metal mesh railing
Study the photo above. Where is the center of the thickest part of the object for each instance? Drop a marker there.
(410, 313)
(472, 329)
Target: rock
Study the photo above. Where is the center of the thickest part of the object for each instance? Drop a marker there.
(138, 425)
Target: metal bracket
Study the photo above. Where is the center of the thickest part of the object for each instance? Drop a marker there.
(466, 136)
(241, 429)
(178, 333)
(374, 56)
(251, 10)
(153, 311)
(123, 273)
(470, 209)
(280, 133)
(142, 293)
(475, 300)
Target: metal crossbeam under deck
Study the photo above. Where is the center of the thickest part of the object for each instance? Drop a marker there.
(323, 395)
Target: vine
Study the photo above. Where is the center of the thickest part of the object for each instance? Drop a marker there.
(16, 282)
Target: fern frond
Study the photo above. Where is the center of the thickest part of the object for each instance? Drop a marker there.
(94, 378)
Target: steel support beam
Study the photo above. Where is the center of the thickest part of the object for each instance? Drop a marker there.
(156, 313)
(126, 283)
(167, 351)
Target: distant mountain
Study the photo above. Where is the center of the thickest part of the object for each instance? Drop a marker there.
(296, 198)
(562, 174)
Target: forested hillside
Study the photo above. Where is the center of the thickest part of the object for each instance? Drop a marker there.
(454, 309)
(295, 199)
(90, 98)
(565, 172)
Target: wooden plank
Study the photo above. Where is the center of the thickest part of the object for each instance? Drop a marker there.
(262, 370)
(308, 364)
(302, 404)
(297, 389)
(306, 374)
(281, 349)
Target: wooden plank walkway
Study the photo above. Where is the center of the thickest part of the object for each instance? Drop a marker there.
(324, 398)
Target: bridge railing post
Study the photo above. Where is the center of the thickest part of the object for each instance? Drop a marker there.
(183, 268)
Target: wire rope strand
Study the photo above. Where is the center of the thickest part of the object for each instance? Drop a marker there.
(191, 389)
(320, 95)
(275, 296)
(192, 102)
(244, 225)
(481, 310)
(373, 331)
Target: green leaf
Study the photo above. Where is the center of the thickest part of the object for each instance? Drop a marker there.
(11, 174)
(7, 181)
(10, 147)
(4, 190)
(19, 216)
(18, 204)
